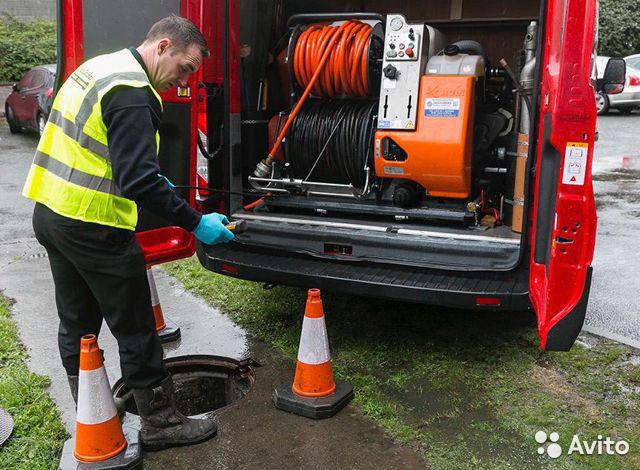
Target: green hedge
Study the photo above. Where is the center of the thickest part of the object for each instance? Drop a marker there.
(619, 28)
(24, 45)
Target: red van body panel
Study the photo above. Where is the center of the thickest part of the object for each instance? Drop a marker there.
(561, 258)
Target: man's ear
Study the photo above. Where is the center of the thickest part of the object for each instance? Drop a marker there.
(163, 45)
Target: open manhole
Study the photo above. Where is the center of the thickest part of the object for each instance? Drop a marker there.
(202, 383)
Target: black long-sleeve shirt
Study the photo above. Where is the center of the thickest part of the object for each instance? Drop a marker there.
(132, 116)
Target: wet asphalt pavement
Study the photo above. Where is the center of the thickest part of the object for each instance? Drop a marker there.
(253, 433)
(614, 309)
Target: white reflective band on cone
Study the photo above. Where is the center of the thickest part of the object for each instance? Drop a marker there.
(152, 286)
(314, 344)
(95, 402)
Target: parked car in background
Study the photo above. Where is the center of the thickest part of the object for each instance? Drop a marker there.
(29, 104)
(633, 61)
(624, 102)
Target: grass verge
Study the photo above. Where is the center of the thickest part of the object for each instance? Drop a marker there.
(38, 435)
(467, 389)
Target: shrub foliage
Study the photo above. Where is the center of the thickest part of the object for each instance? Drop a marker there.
(619, 28)
(24, 45)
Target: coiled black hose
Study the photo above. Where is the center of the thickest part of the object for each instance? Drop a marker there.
(331, 141)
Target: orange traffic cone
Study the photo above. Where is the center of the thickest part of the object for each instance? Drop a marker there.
(167, 330)
(99, 440)
(314, 393)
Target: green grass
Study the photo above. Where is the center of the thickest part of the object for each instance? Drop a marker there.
(38, 434)
(467, 389)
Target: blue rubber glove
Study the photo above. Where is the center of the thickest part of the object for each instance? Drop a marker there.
(212, 230)
(171, 185)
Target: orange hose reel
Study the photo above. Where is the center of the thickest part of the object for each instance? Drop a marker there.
(329, 60)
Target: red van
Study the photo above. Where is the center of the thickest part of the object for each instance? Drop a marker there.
(435, 152)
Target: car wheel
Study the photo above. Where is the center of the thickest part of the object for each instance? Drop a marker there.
(602, 104)
(625, 111)
(41, 122)
(14, 128)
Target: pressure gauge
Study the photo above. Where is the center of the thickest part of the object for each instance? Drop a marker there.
(396, 24)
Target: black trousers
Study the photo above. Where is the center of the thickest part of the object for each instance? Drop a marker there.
(99, 272)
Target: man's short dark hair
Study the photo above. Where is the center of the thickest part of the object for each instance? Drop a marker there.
(181, 31)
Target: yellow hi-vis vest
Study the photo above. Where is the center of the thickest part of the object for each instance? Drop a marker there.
(71, 171)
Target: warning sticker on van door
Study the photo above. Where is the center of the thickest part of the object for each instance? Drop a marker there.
(442, 107)
(575, 163)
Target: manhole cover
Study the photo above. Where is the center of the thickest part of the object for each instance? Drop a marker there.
(202, 383)
(6, 426)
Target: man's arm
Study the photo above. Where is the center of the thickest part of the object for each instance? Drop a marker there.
(132, 148)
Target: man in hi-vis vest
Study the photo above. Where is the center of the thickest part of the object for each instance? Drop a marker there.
(96, 164)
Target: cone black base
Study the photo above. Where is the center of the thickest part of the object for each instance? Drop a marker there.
(314, 408)
(130, 458)
(171, 332)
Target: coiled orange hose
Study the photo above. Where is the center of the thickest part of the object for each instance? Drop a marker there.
(346, 69)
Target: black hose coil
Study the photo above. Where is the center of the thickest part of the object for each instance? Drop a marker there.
(345, 128)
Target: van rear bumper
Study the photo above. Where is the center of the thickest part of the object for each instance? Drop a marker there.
(459, 289)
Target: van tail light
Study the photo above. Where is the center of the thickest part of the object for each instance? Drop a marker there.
(634, 80)
(49, 92)
(488, 302)
(227, 268)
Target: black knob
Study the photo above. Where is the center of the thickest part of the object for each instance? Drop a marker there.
(390, 72)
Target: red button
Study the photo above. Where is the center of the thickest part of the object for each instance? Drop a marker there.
(409, 52)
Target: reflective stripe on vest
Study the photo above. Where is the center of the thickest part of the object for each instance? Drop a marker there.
(71, 171)
(75, 176)
(92, 95)
(72, 130)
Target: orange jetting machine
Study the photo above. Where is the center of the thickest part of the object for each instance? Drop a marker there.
(387, 112)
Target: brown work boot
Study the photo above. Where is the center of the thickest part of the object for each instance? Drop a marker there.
(163, 425)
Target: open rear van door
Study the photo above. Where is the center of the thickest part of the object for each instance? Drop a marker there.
(87, 28)
(564, 215)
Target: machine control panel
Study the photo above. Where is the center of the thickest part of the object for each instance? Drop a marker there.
(402, 46)
(403, 60)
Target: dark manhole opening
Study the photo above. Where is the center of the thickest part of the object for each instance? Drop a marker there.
(203, 383)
